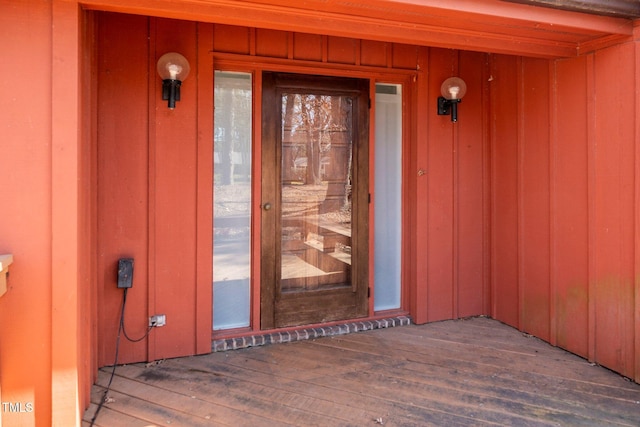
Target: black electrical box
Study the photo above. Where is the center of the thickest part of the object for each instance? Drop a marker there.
(125, 272)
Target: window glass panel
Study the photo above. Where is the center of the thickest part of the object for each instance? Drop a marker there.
(232, 200)
(388, 196)
(317, 167)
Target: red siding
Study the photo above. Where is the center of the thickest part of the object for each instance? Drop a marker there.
(569, 206)
(471, 185)
(439, 256)
(534, 192)
(613, 216)
(123, 226)
(173, 187)
(504, 189)
(525, 210)
(533, 196)
(25, 225)
(565, 204)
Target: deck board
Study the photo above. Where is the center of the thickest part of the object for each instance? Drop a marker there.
(454, 373)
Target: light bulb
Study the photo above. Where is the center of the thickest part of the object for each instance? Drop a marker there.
(453, 88)
(173, 66)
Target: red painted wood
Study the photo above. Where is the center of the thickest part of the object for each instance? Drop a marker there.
(231, 39)
(122, 180)
(637, 209)
(175, 213)
(272, 43)
(482, 25)
(418, 189)
(469, 188)
(256, 196)
(614, 170)
(204, 162)
(342, 50)
(569, 203)
(440, 137)
(373, 53)
(404, 56)
(537, 231)
(533, 192)
(504, 194)
(307, 46)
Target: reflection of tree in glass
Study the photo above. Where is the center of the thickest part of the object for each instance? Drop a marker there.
(317, 116)
(232, 142)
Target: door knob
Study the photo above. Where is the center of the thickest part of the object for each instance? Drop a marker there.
(267, 206)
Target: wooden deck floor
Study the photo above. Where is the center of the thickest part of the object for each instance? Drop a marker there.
(456, 373)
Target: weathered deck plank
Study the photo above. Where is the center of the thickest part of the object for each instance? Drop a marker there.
(455, 373)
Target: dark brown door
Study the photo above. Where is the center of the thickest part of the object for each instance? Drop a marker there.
(315, 137)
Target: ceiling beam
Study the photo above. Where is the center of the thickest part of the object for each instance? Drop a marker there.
(481, 25)
(619, 8)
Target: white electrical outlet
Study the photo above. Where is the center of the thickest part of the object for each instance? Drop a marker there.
(157, 320)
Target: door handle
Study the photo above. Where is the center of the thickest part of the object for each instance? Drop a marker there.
(267, 206)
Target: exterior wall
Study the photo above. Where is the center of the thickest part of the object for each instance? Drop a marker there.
(154, 185)
(565, 202)
(536, 228)
(46, 362)
(149, 190)
(451, 201)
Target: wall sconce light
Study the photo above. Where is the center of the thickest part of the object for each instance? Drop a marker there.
(452, 89)
(173, 69)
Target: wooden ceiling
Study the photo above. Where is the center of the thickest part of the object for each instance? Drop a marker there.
(496, 26)
(618, 8)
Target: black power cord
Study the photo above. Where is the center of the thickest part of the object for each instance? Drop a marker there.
(121, 329)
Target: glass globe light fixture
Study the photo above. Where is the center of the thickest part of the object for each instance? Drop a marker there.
(173, 68)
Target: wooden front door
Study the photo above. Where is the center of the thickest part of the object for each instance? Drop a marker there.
(314, 199)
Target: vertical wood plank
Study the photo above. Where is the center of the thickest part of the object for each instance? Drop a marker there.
(570, 206)
(122, 157)
(504, 199)
(67, 309)
(152, 107)
(469, 188)
(614, 204)
(637, 207)
(553, 141)
(175, 212)
(372, 194)
(534, 198)
(204, 239)
(591, 158)
(419, 189)
(440, 196)
(256, 197)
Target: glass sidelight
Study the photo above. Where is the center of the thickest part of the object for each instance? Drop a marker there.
(232, 200)
(388, 199)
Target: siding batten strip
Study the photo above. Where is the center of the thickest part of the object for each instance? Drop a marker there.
(637, 209)
(591, 185)
(553, 194)
(520, 211)
(64, 405)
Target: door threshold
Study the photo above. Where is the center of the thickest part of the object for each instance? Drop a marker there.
(310, 333)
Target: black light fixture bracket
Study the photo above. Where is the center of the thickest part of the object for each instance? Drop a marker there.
(448, 107)
(171, 91)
